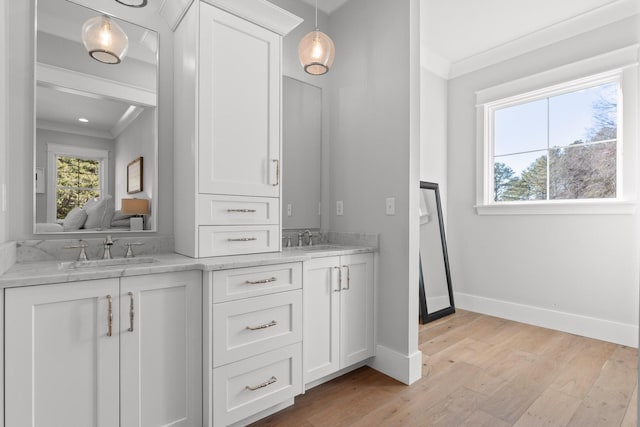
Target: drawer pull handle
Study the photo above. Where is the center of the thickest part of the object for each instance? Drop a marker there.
(242, 210)
(339, 279)
(265, 326)
(261, 282)
(263, 385)
(348, 278)
(277, 162)
(110, 316)
(131, 312)
(243, 239)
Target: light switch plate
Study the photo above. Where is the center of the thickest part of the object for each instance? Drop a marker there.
(391, 205)
(339, 208)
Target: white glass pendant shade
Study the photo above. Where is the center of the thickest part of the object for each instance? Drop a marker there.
(316, 52)
(105, 40)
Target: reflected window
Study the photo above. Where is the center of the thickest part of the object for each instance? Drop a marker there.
(559, 143)
(76, 174)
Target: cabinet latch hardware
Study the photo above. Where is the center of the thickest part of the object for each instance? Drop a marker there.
(277, 162)
(131, 312)
(242, 210)
(244, 239)
(348, 278)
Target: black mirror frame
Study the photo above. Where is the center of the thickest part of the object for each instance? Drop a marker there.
(425, 316)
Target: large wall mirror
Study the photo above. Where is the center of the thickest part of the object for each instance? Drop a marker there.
(96, 125)
(302, 154)
(436, 293)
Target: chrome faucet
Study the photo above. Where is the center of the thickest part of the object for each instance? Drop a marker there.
(82, 246)
(108, 242)
(299, 239)
(310, 235)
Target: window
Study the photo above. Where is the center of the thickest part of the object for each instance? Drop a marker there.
(557, 142)
(76, 175)
(561, 146)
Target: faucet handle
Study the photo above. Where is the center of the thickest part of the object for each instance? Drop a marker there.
(129, 253)
(108, 240)
(82, 256)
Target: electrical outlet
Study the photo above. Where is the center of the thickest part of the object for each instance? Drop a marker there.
(289, 209)
(391, 206)
(339, 208)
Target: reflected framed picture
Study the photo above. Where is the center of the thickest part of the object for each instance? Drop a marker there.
(134, 176)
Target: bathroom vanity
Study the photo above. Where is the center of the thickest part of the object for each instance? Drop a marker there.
(181, 341)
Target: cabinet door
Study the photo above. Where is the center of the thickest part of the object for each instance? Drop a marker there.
(61, 362)
(356, 309)
(239, 106)
(161, 350)
(321, 318)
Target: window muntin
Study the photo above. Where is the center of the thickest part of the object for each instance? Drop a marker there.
(560, 145)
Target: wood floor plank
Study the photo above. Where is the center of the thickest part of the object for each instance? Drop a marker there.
(553, 408)
(483, 371)
(482, 419)
(607, 402)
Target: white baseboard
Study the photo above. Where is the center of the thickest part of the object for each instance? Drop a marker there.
(404, 368)
(601, 329)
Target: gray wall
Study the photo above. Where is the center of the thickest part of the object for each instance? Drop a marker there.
(3, 116)
(20, 30)
(556, 270)
(374, 153)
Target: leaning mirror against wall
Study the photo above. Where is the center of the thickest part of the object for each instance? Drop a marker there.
(96, 116)
(302, 154)
(436, 294)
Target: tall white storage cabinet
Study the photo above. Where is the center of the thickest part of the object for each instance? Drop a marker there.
(338, 306)
(109, 353)
(227, 86)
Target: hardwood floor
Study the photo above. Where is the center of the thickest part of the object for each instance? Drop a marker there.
(484, 371)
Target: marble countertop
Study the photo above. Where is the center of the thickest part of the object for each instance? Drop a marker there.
(48, 272)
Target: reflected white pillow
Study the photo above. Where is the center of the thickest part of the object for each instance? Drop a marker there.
(74, 219)
(99, 213)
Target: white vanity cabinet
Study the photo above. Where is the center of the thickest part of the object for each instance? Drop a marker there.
(338, 305)
(227, 86)
(110, 352)
(254, 342)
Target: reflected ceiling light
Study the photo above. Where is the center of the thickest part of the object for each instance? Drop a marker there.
(83, 120)
(133, 3)
(316, 51)
(105, 40)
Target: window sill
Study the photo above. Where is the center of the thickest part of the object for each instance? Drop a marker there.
(613, 207)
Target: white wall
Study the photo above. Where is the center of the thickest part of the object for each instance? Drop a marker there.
(21, 32)
(577, 273)
(3, 116)
(433, 132)
(134, 142)
(374, 99)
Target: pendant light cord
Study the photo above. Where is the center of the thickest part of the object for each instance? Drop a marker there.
(316, 14)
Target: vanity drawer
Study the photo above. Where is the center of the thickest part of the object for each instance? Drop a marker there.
(244, 328)
(237, 210)
(229, 285)
(237, 240)
(252, 385)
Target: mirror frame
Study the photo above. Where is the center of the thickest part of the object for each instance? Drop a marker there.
(425, 316)
(154, 200)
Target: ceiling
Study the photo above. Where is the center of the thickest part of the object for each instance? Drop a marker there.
(458, 36)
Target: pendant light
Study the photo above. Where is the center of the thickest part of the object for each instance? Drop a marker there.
(105, 40)
(133, 3)
(316, 51)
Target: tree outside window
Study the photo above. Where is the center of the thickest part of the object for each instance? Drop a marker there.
(78, 180)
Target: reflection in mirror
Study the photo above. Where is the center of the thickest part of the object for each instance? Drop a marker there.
(436, 295)
(302, 154)
(92, 120)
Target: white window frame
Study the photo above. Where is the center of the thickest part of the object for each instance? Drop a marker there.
(620, 66)
(55, 150)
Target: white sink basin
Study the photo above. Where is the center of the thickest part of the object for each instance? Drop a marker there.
(105, 262)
